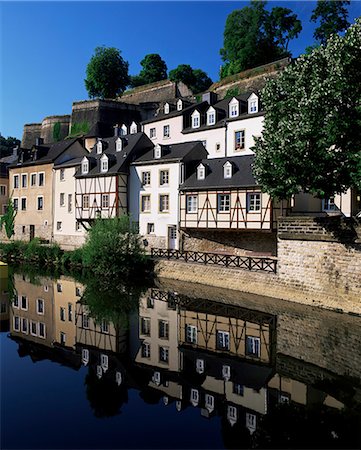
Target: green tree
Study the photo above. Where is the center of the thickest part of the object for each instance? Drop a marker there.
(154, 69)
(107, 73)
(113, 249)
(333, 19)
(8, 219)
(312, 130)
(254, 36)
(7, 145)
(196, 79)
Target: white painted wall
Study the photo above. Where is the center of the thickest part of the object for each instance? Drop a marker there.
(175, 130)
(253, 126)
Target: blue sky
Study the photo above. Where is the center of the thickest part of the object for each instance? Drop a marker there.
(45, 46)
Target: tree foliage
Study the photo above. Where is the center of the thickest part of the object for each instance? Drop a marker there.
(107, 73)
(254, 36)
(8, 219)
(312, 129)
(196, 79)
(7, 145)
(154, 69)
(332, 16)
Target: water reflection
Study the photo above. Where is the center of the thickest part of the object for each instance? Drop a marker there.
(242, 365)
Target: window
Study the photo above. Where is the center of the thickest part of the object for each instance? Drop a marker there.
(40, 306)
(163, 329)
(16, 203)
(99, 147)
(85, 201)
(42, 329)
(211, 117)
(204, 144)
(166, 108)
(24, 180)
(145, 350)
(58, 226)
(164, 203)
(85, 167)
(78, 291)
(150, 303)
(24, 325)
(253, 346)
(152, 133)
(24, 302)
(145, 203)
(166, 131)
(224, 202)
(33, 328)
(85, 321)
(192, 203)
(33, 179)
(201, 172)
(85, 356)
(41, 179)
(16, 302)
(150, 228)
(59, 287)
(222, 340)
(77, 226)
(104, 165)
(163, 354)
(191, 334)
(226, 372)
(70, 203)
(123, 130)
(328, 204)
(157, 151)
(104, 327)
(233, 108)
(105, 201)
(251, 422)
(16, 323)
(2, 190)
(145, 326)
(238, 389)
(62, 174)
(232, 413)
(227, 170)
(195, 119)
(16, 181)
(62, 199)
(133, 128)
(194, 396)
(239, 140)
(23, 204)
(104, 361)
(62, 314)
(40, 203)
(62, 338)
(118, 145)
(146, 178)
(70, 312)
(179, 105)
(200, 365)
(24, 229)
(253, 106)
(163, 177)
(253, 202)
(209, 401)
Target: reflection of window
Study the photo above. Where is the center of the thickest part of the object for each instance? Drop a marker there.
(145, 350)
(145, 326)
(238, 389)
(163, 329)
(191, 334)
(62, 338)
(163, 354)
(222, 340)
(33, 328)
(62, 314)
(328, 204)
(24, 302)
(104, 327)
(42, 329)
(85, 321)
(252, 346)
(24, 326)
(16, 323)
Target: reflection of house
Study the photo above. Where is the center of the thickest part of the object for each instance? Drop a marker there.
(4, 304)
(32, 311)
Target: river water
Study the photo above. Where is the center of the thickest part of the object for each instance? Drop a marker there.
(173, 366)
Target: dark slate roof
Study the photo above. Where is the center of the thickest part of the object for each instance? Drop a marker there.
(71, 163)
(170, 153)
(133, 146)
(45, 153)
(214, 179)
(4, 172)
(171, 114)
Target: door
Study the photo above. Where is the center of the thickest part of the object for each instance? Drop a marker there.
(32, 232)
(172, 237)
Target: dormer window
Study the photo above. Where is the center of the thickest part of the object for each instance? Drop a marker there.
(195, 119)
(104, 164)
(179, 105)
(133, 128)
(85, 166)
(166, 108)
(233, 108)
(211, 116)
(99, 147)
(157, 151)
(201, 172)
(227, 170)
(123, 130)
(118, 145)
(252, 104)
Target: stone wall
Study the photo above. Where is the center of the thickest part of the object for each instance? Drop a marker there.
(47, 128)
(156, 92)
(233, 242)
(30, 133)
(69, 242)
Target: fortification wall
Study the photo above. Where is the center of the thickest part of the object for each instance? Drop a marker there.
(55, 128)
(30, 133)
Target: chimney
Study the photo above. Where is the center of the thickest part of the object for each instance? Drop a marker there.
(116, 130)
(39, 141)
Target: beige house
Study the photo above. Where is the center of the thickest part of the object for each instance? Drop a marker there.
(32, 187)
(4, 188)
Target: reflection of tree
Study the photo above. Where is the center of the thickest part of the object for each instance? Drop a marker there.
(104, 395)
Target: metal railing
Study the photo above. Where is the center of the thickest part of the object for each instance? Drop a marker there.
(240, 262)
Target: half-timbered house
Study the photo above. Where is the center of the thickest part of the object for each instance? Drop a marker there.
(102, 177)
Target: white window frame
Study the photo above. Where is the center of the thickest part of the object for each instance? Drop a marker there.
(191, 334)
(105, 201)
(33, 177)
(196, 119)
(2, 190)
(164, 203)
(133, 128)
(223, 203)
(201, 172)
(211, 116)
(16, 203)
(99, 147)
(41, 184)
(43, 336)
(40, 301)
(85, 167)
(225, 340)
(166, 131)
(255, 343)
(192, 203)
(179, 105)
(123, 130)
(62, 199)
(233, 108)
(104, 164)
(150, 228)
(145, 350)
(21, 203)
(145, 203)
(16, 323)
(254, 202)
(227, 170)
(242, 140)
(119, 145)
(157, 151)
(166, 108)
(164, 177)
(62, 174)
(16, 182)
(146, 178)
(42, 203)
(85, 204)
(152, 133)
(163, 354)
(26, 303)
(24, 176)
